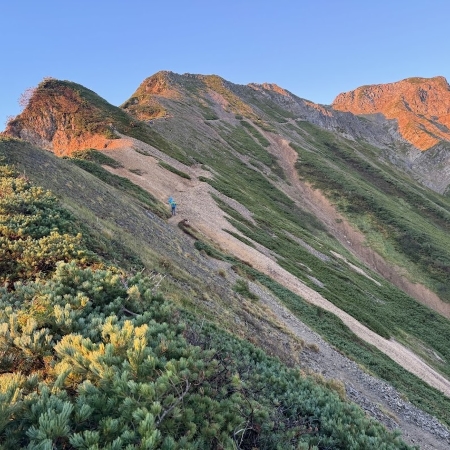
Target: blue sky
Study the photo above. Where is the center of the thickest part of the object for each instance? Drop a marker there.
(314, 48)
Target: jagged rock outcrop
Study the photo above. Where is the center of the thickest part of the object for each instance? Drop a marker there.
(346, 124)
(63, 117)
(421, 106)
(143, 103)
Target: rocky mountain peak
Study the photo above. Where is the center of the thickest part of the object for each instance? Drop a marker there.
(57, 118)
(63, 117)
(421, 107)
(271, 87)
(161, 83)
(144, 103)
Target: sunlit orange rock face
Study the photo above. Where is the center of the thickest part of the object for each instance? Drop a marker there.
(143, 104)
(60, 119)
(57, 119)
(421, 107)
(274, 87)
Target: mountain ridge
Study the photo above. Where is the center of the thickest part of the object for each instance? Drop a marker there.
(215, 101)
(247, 150)
(148, 103)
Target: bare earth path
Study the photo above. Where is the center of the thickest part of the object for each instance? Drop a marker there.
(196, 205)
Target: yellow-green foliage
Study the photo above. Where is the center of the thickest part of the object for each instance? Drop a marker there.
(90, 359)
(236, 105)
(34, 231)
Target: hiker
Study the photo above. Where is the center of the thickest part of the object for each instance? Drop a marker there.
(173, 205)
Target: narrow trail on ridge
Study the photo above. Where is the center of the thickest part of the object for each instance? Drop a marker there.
(196, 204)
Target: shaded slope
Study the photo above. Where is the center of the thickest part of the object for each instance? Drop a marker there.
(83, 193)
(195, 205)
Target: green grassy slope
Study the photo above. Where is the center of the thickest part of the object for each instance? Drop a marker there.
(93, 357)
(391, 210)
(406, 223)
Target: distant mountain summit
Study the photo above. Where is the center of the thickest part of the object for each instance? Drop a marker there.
(421, 107)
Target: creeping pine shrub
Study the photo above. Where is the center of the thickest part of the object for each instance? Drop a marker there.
(77, 372)
(35, 233)
(241, 287)
(91, 359)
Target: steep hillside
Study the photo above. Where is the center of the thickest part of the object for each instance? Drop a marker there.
(307, 197)
(209, 288)
(95, 357)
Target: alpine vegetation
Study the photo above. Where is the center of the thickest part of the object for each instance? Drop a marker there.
(93, 357)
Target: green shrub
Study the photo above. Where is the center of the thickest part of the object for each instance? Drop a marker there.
(97, 157)
(174, 170)
(124, 184)
(241, 287)
(35, 232)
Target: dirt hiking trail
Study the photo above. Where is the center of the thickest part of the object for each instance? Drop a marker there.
(196, 205)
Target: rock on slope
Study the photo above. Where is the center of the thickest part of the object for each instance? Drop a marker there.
(63, 117)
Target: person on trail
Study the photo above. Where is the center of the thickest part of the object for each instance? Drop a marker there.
(173, 206)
